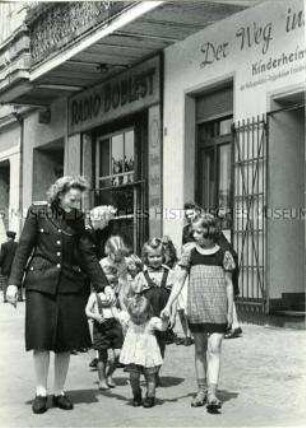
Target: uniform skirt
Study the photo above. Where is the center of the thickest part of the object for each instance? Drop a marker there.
(56, 323)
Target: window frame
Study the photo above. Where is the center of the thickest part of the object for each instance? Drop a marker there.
(111, 176)
(212, 143)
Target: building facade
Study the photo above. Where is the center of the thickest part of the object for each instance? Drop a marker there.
(234, 124)
(159, 103)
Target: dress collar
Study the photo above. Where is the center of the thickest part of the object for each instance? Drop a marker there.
(207, 251)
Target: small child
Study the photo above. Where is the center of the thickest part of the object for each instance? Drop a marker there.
(107, 336)
(114, 265)
(210, 304)
(155, 283)
(140, 352)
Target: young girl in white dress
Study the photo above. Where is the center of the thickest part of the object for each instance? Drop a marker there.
(140, 352)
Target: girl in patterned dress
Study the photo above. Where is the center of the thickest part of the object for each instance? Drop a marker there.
(209, 304)
(140, 352)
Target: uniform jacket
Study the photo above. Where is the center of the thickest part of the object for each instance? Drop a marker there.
(55, 253)
(99, 237)
(7, 254)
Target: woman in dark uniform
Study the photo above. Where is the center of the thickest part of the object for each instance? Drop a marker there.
(57, 254)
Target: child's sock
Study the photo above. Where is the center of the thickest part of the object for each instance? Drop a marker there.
(212, 389)
(41, 391)
(202, 385)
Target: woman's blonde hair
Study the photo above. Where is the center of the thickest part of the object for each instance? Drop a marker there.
(116, 245)
(64, 184)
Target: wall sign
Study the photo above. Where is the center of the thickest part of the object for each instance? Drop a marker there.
(262, 36)
(133, 90)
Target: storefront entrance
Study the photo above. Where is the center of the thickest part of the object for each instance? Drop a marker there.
(214, 141)
(120, 180)
(286, 208)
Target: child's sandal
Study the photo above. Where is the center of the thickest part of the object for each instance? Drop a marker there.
(213, 403)
(199, 400)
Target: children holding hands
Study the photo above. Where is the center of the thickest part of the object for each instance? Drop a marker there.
(147, 297)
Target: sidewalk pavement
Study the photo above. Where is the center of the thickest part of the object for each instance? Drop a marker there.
(263, 383)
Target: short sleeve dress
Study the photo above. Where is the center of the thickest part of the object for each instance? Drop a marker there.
(140, 351)
(207, 295)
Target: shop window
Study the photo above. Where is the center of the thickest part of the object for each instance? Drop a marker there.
(214, 183)
(116, 159)
(117, 184)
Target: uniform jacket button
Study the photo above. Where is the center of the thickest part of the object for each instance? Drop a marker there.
(58, 242)
(58, 265)
(59, 230)
(58, 253)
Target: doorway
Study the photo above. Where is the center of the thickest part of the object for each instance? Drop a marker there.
(48, 166)
(286, 193)
(214, 141)
(214, 183)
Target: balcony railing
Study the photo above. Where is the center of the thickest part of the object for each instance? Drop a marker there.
(54, 26)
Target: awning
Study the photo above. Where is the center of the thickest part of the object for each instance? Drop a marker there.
(134, 34)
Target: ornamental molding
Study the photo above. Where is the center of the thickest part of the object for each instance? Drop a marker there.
(54, 26)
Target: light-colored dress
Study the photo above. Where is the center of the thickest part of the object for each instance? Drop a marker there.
(140, 346)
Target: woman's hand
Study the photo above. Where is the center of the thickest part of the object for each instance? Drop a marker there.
(12, 295)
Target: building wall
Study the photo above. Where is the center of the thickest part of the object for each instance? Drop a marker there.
(12, 14)
(235, 49)
(10, 152)
(37, 135)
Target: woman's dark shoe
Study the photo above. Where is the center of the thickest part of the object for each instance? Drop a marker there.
(62, 402)
(137, 400)
(94, 363)
(237, 332)
(179, 340)
(149, 402)
(39, 404)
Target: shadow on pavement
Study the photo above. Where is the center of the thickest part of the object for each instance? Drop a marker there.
(225, 396)
(77, 396)
(167, 381)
